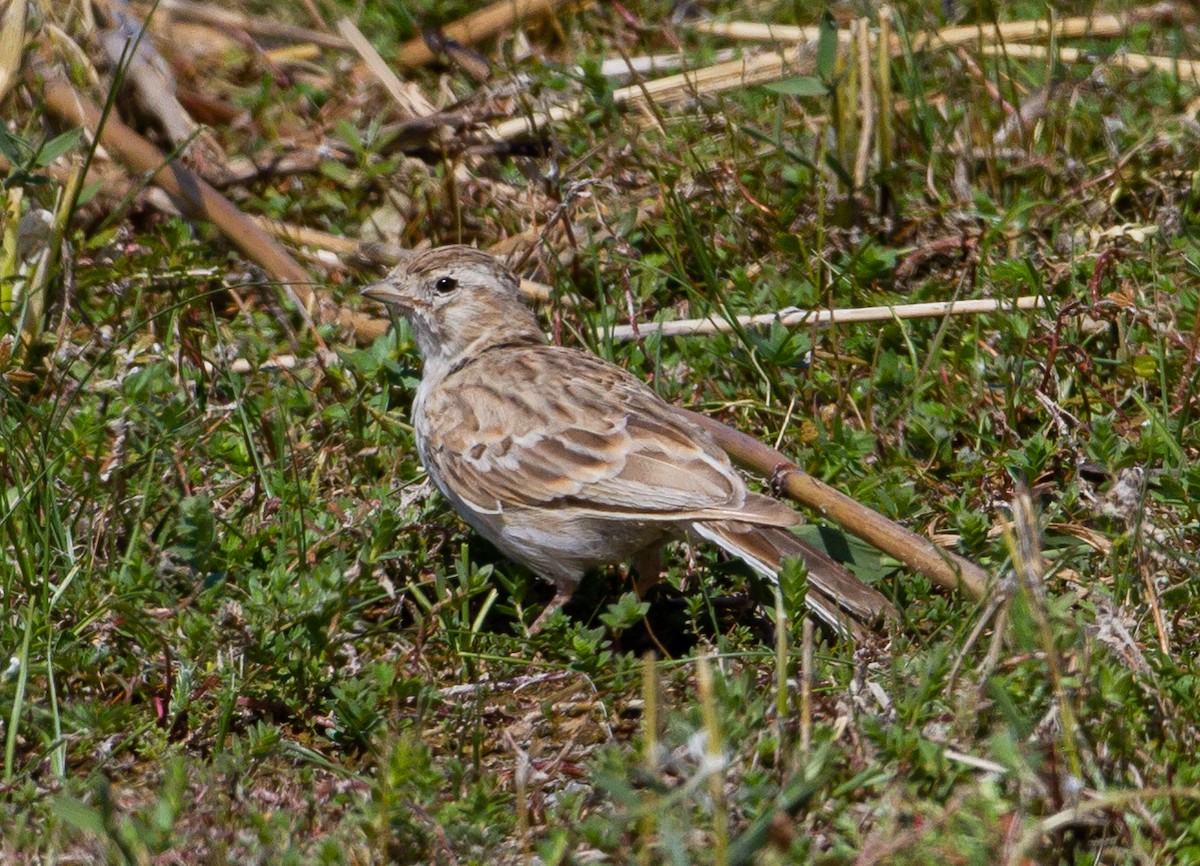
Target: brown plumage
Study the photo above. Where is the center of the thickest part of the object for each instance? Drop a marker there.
(566, 462)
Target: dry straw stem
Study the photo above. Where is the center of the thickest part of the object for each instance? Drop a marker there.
(411, 101)
(1083, 815)
(148, 79)
(1186, 69)
(1099, 26)
(806, 686)
(12, 44)
(714, 763)
(866, 102)
(772, 66)
(200, 201)
(193, 193)
(1023, 538)
(650, 754)
(650, 64)
(1012, 31)
(946, 569)
(209, 13)
(672, 89)
(751, 31)
(795, 318)
(8, 247)
(888, 106)
(478, 26)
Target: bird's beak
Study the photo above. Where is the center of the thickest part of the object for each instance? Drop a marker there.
(388, 295)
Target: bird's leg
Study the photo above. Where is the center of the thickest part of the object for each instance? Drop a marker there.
(648, 565)
(563, 593)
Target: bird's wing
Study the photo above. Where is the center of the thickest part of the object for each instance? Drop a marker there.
(545, 426)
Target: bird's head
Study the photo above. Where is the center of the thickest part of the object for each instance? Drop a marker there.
(459, 301)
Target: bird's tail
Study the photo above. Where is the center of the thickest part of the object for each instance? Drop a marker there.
(834, 594)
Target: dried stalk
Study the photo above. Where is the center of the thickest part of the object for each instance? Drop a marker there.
(806, 686)
(795, 318)
(773, 66)
(866, 103)
(653, 64)
(8, 247)
(672, 89)
(946, 569)
(887, 107)
(752, 31)
(200, 201)
(412, 102)
(1023, 537)
(1185, 69)
(714, 760)
(212, 14)
(1011, 31)
(12, 44)
(1099, 26)
(477, 26)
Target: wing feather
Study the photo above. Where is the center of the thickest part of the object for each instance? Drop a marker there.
(543, 425)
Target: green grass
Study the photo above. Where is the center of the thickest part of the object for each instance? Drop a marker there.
(243, 629)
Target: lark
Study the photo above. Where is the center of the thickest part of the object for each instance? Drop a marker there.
(567, 462)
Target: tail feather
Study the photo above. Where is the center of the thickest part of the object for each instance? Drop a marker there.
(834, 594)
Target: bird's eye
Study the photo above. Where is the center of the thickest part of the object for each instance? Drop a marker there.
(445, 285)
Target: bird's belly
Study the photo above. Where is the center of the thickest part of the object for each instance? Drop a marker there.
(589, 540)
(560, 546)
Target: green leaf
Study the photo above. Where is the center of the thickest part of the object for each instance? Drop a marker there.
(827, 47)
(858, 556)
(839, 170)
(337, 172)
(89, 192)
(1145, 366)
(57, 146)
(803, 85)
(349, 134)
(793, 584)
(626, 612)
(11, 146)
(78, 814)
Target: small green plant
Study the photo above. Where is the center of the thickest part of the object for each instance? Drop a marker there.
(624, 613)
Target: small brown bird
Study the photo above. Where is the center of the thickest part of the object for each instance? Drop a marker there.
(565, 461)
